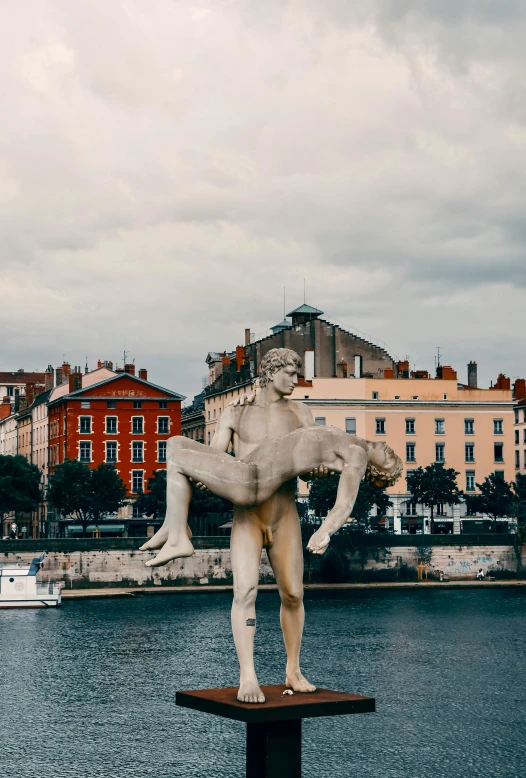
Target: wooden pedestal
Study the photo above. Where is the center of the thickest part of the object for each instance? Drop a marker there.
(274, 727)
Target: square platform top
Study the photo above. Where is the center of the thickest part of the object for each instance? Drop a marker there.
(277, 706)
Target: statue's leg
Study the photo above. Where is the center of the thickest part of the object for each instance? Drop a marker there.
(286, 558)
(221, 473)
(245, 549)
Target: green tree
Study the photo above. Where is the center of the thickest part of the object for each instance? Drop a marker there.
(433, 486)
(322, 497)
(88, 494)
(496, 498)
(519, 489)
(19, 485)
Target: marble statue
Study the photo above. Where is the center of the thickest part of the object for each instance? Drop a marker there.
(274, 440)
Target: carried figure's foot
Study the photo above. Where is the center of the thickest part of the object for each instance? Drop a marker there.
(159, 539)
(249, 691)
(296, 681)
(172, 550)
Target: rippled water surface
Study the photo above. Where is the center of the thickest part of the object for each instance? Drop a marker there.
(88, 690)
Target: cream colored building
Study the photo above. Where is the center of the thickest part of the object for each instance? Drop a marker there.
(424, 420)
(520, 437)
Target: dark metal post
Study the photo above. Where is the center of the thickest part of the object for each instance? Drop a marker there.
(274, 749)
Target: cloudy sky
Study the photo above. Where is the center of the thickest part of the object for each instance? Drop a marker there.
(166, 168)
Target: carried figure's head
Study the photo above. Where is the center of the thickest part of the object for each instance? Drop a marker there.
(280, 367)
(384, 467)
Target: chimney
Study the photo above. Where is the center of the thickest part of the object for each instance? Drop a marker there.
(30, 393)
(75, 380)
(472, 375)
(503, 383)
(519, 389)
(308, 364)
(403, 369)
(48, 378)
(66, 370)
(358, 366)
(108, 365)
(143, 374)
(130, 369)
(5, 408)
(240, 356)
(22, 403)
(388, 372)
(99, 364)
(58, 376)
(247, 336)
(446, 373)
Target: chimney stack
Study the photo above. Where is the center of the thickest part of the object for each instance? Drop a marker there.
(99, 364)
(472, 375)
(22, 403)
(75, 380)
(519, 389)
(143, 374)
(66, 370)
(30, 393)
(48, 378)
(5, 408)
(130, 369)
(247, 336)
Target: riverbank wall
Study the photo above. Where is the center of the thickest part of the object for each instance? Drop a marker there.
(117, 562)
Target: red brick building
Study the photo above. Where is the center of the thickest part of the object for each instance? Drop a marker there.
(124, 420)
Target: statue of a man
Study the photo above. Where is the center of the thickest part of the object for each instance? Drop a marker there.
(274, 441)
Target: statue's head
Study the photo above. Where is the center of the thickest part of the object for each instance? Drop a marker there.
(280, 366)
(384, 467)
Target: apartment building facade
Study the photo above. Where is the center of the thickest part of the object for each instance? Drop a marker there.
(123, 420)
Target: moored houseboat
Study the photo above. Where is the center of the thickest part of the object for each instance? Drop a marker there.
(19, 587)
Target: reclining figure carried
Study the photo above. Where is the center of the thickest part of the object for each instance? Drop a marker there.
(275, 440)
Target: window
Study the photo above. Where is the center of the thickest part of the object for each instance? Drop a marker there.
(410, 452)
(470, 480)
(136, 514)
(524, 441)
(85, 451)
(525, 458)
(10, 391)
(375, 395)
(85, 404)
(497, 427)
(524, 415)
(209, 438)
(137, 481)
(517, 460)
(161, 451)
(516, 437)
(214, 413)
(469, 450)
(137, 425)
(445, 397)
(350, 426)
(516, 417)
(64, 450)
(320, 420)
(64, 425)
(415, 397)
(411, 509)
(111, 404)
(410, 427)
(499, 452)
(440, 427)
(397, 396)
(380, 426)
(137, 451)
(85, 425)
(469, 426)
(208, 415)
(137, 404)
(499, 473)
(163, 404)
(163, 425)
(111, 425)
(111, 451)
(440, 452)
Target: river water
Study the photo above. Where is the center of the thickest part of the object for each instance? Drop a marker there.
(87, 690)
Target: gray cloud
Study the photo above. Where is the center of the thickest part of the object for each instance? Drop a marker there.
(165, 169)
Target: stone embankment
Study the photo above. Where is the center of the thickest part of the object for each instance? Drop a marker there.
(117, 562)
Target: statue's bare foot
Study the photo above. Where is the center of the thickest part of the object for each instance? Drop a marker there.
(159, 539)
(156, 541)
(170, 551)
(249, 691)
(296, 681)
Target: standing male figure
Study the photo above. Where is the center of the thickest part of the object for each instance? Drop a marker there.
(274, 525)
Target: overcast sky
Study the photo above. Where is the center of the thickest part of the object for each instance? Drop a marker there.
(166, 168)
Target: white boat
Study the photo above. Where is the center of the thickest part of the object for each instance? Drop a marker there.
(19, 587)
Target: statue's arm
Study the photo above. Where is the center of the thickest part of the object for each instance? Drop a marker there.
(306, 419)
(350, 478)
(224, 430)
